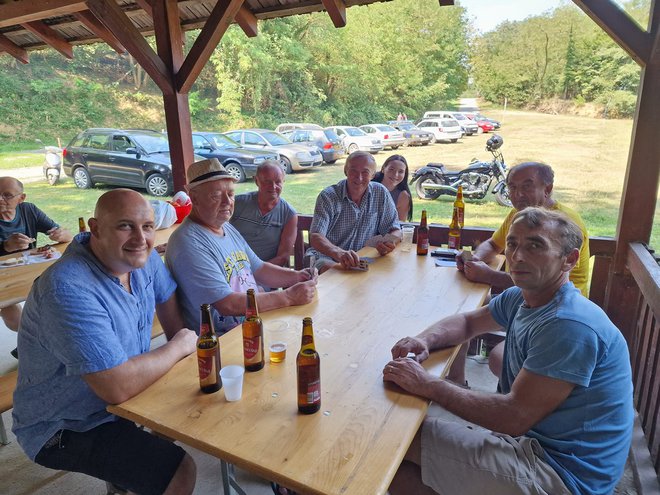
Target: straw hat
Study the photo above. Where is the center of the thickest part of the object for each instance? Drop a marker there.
(206, 171)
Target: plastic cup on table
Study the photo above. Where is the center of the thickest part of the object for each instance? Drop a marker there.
(276, 331)
(407, 240)
(232, 381)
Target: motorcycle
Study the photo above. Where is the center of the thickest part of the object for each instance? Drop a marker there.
(434, 179)
(52, 163)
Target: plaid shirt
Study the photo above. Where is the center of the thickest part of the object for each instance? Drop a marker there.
(348, 225)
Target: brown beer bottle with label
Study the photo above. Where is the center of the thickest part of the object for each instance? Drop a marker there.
(454, 237)
(81, 225)
(208, 353)
(308, 369)
(459, 206)
(253, 335)
(423, 236)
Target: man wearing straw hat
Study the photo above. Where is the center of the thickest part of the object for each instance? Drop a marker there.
(213, 264)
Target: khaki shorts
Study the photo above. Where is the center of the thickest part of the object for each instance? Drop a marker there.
(468, 460)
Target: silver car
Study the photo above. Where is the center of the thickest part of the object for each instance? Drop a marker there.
(388, 135)
(355, 139)
(293, 156)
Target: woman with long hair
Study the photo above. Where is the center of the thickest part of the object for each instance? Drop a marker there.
(394, 176)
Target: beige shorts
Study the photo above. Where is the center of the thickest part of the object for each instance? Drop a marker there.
(468, 460)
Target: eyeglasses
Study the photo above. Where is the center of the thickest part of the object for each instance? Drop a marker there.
(8, 196)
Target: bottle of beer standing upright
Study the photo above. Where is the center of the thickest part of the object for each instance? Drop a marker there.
(454, 237)
(208, 353)
(459, 206)
(253, 335)
(81, 225)
(308, 370)
(423, 236)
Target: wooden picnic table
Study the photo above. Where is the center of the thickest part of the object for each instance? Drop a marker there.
(16, 281)
(357, 440)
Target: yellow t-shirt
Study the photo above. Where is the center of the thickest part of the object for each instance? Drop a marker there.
(580, 273)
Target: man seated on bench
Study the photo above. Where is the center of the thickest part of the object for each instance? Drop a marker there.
(84, 343)
(563, 422)
(529, 184)
(351, 212)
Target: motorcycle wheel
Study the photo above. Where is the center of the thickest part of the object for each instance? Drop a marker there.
(502, 197)
(426, 193)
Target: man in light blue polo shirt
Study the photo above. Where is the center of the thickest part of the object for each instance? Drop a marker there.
(563, 422)
(84, 343)
(349, 213)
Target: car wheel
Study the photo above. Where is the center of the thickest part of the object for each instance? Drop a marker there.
(286, 165)
(236, 171)
(433, 139)
(157, 185)
(81, 178)
(331, 162)
(425, 144)
(454, 140)
(353, 147)
(395, 148)
(480, 131)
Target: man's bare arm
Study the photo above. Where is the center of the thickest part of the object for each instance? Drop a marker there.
(486, 251)
(287, 240)
(324, 246)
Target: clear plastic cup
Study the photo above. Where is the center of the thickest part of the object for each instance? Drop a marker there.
(276, 331)
(232, 381)
(408, 232)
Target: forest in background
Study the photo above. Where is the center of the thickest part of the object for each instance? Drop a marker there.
(400, 56)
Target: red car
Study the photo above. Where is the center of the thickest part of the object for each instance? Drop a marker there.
(484, 125)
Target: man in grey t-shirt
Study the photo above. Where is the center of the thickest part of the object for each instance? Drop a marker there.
(266, 221)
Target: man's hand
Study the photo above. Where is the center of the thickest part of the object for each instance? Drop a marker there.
(463, 257)
(407, 374)
(478, 271)
(185, 341)
(385, 247)
(308, 274)
(301, 293)
(17, 242)
(55, 234)
(349, 259)
(411, 344)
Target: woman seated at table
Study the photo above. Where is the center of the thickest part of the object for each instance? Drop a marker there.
(394, 176)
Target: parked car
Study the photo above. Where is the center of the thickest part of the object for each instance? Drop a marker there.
(447, 129)
(476, 116)
(484, 125)
(468, 126)
(241, 163)
(388, 135)
(120, 157)
(282, 128)
(354, 139)
(413, 134)
(326, 139)
(292, 156)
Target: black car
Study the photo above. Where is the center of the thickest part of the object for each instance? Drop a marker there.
(326, 140)
(240, 162)
(129, 157)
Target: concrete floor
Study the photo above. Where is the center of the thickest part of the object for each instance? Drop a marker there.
(20, 476)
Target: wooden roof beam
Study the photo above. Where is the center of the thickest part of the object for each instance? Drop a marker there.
(248, 21)
(216, 25)
(94, 25)
(22, 11)
(146, 6)
(654, 28)
(50, 36)
(620, 27)
(336, 9)
(13, 49)
(111, 15)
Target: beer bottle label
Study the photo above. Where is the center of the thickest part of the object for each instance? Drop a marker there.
(460, 214)
(207, 364)
(251, 347)
(313, 392)
(454, 242)
(307, 339)
(424, 242)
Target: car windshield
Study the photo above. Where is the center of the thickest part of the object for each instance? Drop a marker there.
(223, 142)
(275, 138)
(408, 127)
(385, 128)
(152, 142)
(354, 131)
(331, 135)
(459, 116)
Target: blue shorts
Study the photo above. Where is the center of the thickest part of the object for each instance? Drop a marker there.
(118, 452)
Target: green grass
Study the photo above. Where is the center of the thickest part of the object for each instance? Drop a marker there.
(588, 155)
(20, 159)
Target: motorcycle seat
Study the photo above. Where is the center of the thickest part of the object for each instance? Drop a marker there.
(436, 165)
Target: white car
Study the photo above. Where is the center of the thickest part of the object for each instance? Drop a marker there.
(355, 139)
(388, 135)
(468, 125)
(447, 129)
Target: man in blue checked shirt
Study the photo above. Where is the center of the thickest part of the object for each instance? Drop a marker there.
(349, 213)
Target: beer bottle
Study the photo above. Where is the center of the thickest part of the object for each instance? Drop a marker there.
(454, 238)
(253, 335)
(81, 225)
(423, 236)
(308, 370)
(459, 205)
(208, 353)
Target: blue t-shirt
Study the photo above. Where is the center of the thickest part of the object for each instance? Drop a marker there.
(587, 438)
(78, 320)
(209, 267)
(29, 220)
(261, 232)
